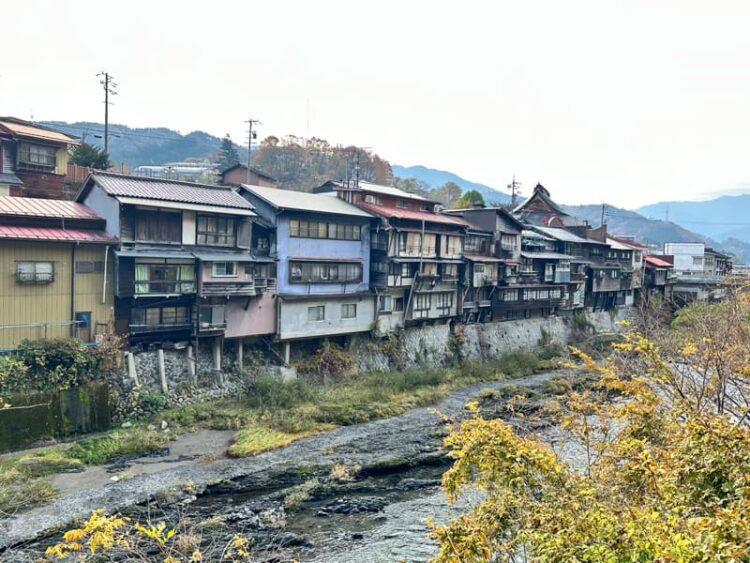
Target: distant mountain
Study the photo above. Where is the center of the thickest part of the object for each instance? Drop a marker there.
(624, 222)
(721, 218)
(144, 145)
(436, 178)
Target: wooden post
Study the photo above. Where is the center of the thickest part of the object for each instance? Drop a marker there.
(162, 371)
(131, 369)
(191, 365)
(241, 354)
(287, 352)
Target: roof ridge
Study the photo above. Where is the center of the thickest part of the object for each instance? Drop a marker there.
(168, 180)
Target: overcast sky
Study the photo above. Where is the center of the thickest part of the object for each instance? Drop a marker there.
(625, 101)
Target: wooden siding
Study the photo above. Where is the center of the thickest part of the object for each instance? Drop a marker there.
(36, 304)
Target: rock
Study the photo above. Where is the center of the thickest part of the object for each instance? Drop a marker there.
(352, 506)
(151, 426)
(127, 424)
(289, 539)
(164, 425)
(411, 484)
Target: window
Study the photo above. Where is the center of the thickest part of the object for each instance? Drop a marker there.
(35, 272)
(422, 302)
(406, 271)
(158, 226)
(508, 242)
(698, 261)
(510, 295)
(318, 229)
(444, 300)
(349, 311)
(156, 317)
(385, 304)
(216, 231)
(613, 274)
(450, 271)
(478, 268)
(373, 199)
(36, 156)
(316, 313)
(325, 272)
(402, 238)
(164, 278)
(402, 203)
(453, 246)
(224, 269)
(426, 207)
(261, 243)
(398, 304)
(89, 267)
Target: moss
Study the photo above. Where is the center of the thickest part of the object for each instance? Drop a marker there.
(102, 449)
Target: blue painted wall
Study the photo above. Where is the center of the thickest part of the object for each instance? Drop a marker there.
(334, 250)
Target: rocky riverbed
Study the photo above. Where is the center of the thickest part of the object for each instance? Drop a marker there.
(359, 493)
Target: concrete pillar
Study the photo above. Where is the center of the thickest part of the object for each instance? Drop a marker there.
(191, 365)
(217, 359)
(131, 368)
(162, 371)
(241, 354)
(287, 352)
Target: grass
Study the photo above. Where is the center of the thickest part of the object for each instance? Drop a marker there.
(22, 483)
(276, 413)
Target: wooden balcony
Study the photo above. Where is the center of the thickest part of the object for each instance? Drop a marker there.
(247, 288)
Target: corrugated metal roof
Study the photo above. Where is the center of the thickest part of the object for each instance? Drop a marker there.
(169, 190)
(154, 253)
(10, 178)
(182, 205)
(547, 256)
(29, 130)
(658, 262)
(562, 234)
(426, 216)
(617, 245)
(480, 258)
(50, 208)
(388, 190)
(214, 256)
(303, 201)
(54, 234)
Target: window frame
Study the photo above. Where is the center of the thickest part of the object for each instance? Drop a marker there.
(347, 307)
(36, 276)
(318, 309)
(333, 270)
(233, 274)
(229, 236)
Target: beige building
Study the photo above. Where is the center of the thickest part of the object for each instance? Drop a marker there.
(56, 271)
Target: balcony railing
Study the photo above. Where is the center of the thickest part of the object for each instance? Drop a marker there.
(35, 277)
(164, 287)
(379, 244)
(417, 250)
(245, 288)
(164, 327)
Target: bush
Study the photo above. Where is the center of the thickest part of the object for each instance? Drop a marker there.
(331, 360)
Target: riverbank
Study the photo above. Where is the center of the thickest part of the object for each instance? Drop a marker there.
(405, 439)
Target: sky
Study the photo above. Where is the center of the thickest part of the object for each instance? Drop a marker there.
(628, 102)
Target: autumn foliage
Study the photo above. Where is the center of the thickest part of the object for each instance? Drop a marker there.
(666, 450)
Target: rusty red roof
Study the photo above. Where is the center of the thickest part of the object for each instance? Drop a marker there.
(49, 208)
(399, 213)
(54, 234)
(658, 262)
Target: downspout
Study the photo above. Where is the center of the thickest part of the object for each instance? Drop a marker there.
(104, 283)
(73, 287)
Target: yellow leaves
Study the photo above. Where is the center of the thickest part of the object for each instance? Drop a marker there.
(158, 533)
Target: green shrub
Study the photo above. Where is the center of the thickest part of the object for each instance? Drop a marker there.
(331, 360)
(152, 401)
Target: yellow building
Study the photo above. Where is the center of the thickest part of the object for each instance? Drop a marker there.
(33, 159)
(56, 271)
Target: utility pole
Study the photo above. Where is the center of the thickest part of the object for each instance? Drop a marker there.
(604, 211)
(515, 190)
(250, 136)
(110, 88)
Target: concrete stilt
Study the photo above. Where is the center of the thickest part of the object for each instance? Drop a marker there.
(132, 373)
(287, 352)
(217, 360)
(162, 371)
(241, 354)
(191, 365)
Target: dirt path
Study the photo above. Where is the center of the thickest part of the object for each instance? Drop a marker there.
(412, 434)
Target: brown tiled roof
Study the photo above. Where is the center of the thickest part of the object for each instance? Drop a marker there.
(166, 190)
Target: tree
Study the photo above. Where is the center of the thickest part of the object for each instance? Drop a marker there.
(89, 156)
(228, 156)
(471, 198)
(447, 194)
(665, 476)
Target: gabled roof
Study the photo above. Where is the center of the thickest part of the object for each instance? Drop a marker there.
(506, 215)
(26, 129)
(369, 188)
(617, 245)
(540, 198)
(44, 208)
(153, 191)
(398, 213)
(303, 201)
